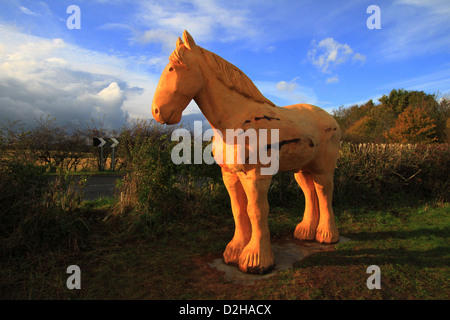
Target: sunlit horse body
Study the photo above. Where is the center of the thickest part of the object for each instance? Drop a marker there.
(308, 145)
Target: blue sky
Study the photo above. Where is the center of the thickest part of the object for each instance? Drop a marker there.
(318, 52)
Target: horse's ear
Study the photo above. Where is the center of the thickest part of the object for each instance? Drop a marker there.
(188, 40)
(179, 42)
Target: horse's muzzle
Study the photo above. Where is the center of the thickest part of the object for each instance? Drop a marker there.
(156, 114)
(173, 118)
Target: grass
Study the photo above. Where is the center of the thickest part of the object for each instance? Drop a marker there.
(409, 244)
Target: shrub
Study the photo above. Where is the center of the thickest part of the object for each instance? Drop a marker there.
(21, 185)
(158, 192)
(37, 213)
(371, 172)
(155, 190)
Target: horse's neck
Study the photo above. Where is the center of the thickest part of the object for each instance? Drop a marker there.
(221, 105)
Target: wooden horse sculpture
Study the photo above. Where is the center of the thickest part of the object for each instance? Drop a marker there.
(308, 145)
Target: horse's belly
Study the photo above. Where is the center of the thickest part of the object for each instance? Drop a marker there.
(294, 157)
(286, 155)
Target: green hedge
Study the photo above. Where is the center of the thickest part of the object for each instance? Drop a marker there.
(379, 172)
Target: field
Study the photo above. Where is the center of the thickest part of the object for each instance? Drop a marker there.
(391, 201)
(410, 245)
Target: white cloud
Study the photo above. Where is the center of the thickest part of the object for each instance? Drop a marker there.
(438, 6)
(286, 86)
(333, 79)
(165, 38)
(359, 57)
(49, 76)
(414, 28)
(329, 53)
(111, 94)
(204, 19)
(431, 82)
(27, 11)
(286, 93)
(115, 26)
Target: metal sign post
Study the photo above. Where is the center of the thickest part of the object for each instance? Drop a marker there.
(100, 142)
(113, 146)
(101, 159)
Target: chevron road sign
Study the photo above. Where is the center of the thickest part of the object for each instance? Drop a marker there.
(106, 142)
(99, 142)
(114, 142)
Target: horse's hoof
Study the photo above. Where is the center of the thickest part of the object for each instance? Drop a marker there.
(259, 270)
(232, 253)
(327, 237)
(254, 260)
(304, 232)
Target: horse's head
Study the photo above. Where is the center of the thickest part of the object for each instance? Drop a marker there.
(180, 82)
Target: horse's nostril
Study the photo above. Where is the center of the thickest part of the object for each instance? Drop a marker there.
(156, 110)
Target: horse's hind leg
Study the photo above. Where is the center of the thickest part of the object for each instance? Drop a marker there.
(243, 229)
(306, 230)
(327, 231)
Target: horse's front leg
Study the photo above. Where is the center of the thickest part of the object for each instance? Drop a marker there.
(243, 228)
(257, 256)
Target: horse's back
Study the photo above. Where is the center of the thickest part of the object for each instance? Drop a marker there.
(304, 109)
(312, 115)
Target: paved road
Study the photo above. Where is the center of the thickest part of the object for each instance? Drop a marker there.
(100, 186)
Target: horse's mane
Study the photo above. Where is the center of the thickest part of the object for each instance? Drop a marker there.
(227, 73)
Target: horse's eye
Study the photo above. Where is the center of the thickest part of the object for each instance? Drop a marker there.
(171, 69)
